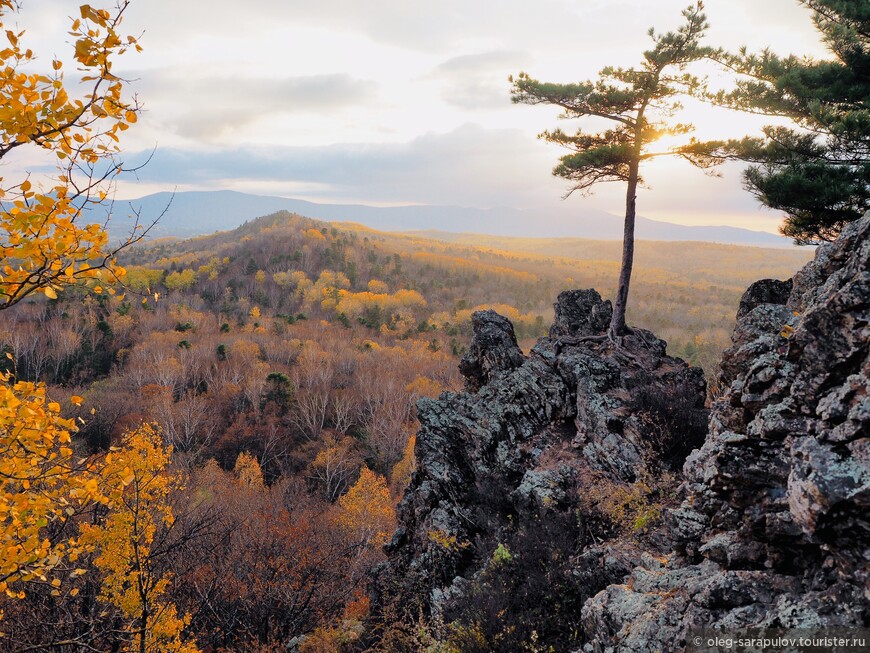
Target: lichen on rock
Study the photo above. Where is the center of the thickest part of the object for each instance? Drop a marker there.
(776, 520)
(542, 442)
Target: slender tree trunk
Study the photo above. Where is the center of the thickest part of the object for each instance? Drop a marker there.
(617, 322)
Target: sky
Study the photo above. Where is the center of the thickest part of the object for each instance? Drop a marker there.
(389, 102)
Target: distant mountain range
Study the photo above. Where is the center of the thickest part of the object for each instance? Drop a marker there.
(197, 213)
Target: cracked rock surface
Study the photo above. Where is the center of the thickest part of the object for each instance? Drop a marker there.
(775, 527)
(523, 438)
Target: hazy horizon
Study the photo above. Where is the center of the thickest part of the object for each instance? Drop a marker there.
(392, 104)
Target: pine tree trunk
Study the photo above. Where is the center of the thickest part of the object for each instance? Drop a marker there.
(617, 322)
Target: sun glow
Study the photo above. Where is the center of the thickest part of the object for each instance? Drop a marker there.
(668, 144)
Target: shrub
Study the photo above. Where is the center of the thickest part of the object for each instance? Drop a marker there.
(673, 419)
(527, 598)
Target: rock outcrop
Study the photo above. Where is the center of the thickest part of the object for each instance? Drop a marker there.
(530, 441)
(493, 351)
(543, 455)
(775, 527)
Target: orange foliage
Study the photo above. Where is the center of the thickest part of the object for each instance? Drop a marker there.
(358, 607)
(38, 483)
(314, 234)
(248, 473)
(266, 572)
(402, 470)
(423, 387)
(43, 243)
(455, 262)
(136, 486)
(335, 465)
(367, 510)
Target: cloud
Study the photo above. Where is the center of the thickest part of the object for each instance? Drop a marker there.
(481, 62)
(412, 25)
(309, 93)
(303, 93)
(469, 166)
(204, 107)
(478, 82)
(234, 91)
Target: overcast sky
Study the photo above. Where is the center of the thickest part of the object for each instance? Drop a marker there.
(403, 102)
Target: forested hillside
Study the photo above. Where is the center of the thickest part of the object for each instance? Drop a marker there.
(282, 362)
(685, 291)
(306, 322)
(283, 295)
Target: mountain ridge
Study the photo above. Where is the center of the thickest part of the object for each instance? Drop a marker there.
(195, 213)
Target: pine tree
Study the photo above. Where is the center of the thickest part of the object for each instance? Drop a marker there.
(639, 104)
(818, 173)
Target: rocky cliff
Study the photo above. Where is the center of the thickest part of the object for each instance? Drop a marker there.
(775, 527)
(512, 496)
(556, 502)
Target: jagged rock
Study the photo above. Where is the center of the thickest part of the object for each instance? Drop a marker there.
(765, 291)
(493, 350)
(660, 605)
(775, 529)
(580, 313)
(527, 439)
(793, 406)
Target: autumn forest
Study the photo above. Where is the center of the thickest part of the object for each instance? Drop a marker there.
(282, 363)
(204, 442)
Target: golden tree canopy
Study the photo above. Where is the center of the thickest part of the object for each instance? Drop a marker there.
(44, 241)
